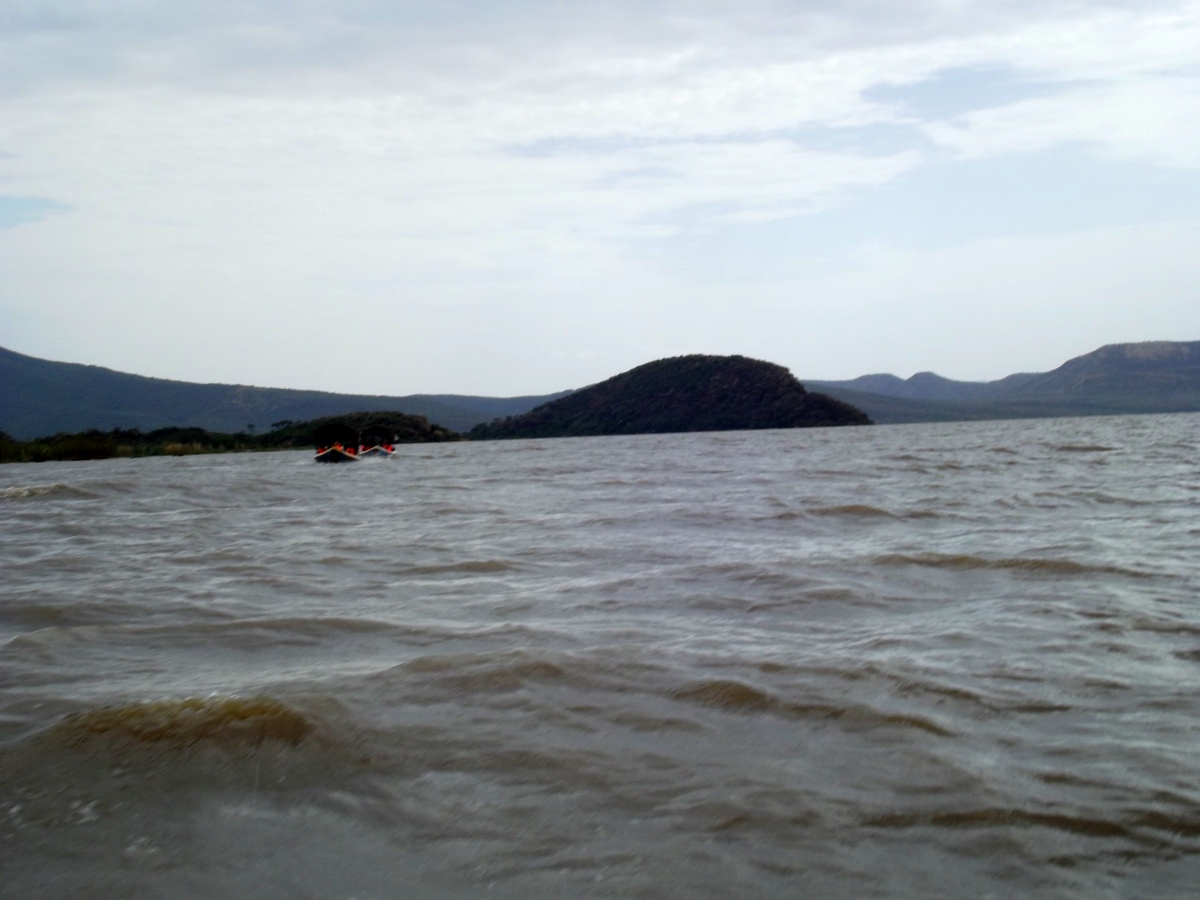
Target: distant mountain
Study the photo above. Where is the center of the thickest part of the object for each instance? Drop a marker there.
(39, 397)
(1153, 376)
(926, 386)
(1157, 376)
(684, 393)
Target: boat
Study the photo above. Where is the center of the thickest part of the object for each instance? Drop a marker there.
(377, 441)
(379, 451)
(336, 443)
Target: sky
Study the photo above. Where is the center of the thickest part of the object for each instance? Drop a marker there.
(497, 198)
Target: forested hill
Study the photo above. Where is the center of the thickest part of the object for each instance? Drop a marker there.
(684, 393)
(40, 397)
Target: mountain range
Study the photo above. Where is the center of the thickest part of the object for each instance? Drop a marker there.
(1150, 377)
(39, 397)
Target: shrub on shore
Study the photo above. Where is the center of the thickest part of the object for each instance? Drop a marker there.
(127, 442)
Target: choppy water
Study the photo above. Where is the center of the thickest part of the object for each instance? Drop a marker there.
(955, 660)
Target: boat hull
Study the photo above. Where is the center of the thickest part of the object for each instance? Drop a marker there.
(335, 455)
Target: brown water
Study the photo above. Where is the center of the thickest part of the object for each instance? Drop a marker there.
(955, 660)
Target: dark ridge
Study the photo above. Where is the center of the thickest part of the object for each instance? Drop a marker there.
(684, 393)
(1155, 375)
(1150, 377)
(38, 396)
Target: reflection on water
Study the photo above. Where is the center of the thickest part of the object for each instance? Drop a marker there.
(905, 661)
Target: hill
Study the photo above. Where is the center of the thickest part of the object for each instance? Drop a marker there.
(684, 393)
(1151, 377)
(40, 397)
(1156, 376)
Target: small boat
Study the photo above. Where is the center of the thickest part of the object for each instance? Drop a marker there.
(337, 443)
(336, 453)
(377, 441)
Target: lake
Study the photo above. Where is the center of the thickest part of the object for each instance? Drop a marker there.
(948, 659)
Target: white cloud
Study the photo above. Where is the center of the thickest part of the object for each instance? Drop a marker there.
(979, 311)
(1151, 120)
(233, 171)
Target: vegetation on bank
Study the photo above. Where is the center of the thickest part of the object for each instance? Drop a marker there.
(130, 442)
(683, 393)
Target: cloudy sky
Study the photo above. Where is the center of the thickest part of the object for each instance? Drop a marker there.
(483, 197)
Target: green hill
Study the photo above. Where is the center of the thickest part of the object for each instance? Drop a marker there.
(684, 393)
(40, 397)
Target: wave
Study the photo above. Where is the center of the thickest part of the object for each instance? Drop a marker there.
(936, 692)
(788, 516)
(1083, 448)
(439, 677)
(266, 634)
(1097, 496)
(1147, 826)
(864, 511)
(129, 765)
(46, 491)
(217, 720)
(484, 674)
(992, 817)
(751, 574)
(307, 626)
(470, 567)
(736, 696)
(1037, 565)
(853, 509)
(728, 694)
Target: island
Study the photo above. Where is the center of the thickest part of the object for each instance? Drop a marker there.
(682, 393)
